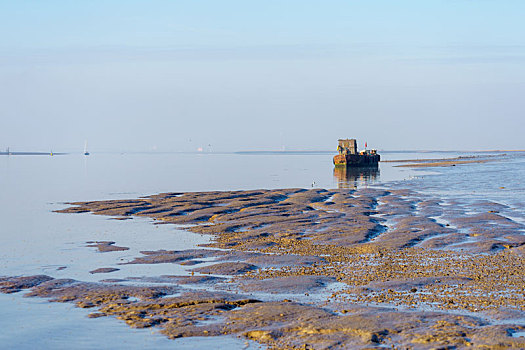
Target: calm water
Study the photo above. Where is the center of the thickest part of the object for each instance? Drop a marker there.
(37, 241)
(501, 182)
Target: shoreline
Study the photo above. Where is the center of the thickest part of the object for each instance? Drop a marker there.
(443, 162)
(32, 154)
(311, 255)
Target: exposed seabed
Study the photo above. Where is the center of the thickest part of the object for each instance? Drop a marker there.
(314, 268)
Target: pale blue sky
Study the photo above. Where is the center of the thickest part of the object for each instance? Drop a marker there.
(178, 75)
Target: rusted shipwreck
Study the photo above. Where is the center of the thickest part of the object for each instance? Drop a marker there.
(349, 156)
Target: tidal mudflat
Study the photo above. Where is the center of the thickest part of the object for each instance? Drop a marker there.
(445, 162)
(316, 268)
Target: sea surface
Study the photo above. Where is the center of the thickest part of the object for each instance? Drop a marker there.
(36, 240)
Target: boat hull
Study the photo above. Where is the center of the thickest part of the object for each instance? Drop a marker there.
(356, 160)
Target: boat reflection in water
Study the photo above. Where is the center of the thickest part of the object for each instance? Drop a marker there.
(353, 177)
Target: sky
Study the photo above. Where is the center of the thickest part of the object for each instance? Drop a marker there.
(261, 75)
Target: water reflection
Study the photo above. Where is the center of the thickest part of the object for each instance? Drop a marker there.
(355, 177)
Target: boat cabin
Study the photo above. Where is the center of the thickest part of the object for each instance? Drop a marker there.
(347, 146)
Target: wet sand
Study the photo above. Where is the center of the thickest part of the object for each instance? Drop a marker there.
(444, 162)
(297, 268)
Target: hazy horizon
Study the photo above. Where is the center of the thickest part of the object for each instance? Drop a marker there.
(231, 76)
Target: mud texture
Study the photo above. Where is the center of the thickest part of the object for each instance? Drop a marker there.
(443, 162)
(251, 222)
(105, 246)
(279, 324)
(104, 270)
(320, 269)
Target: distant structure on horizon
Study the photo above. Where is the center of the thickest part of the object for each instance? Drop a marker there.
(349, 156)
(8, 152)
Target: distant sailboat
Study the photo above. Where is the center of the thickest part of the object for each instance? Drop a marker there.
(86, 153)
